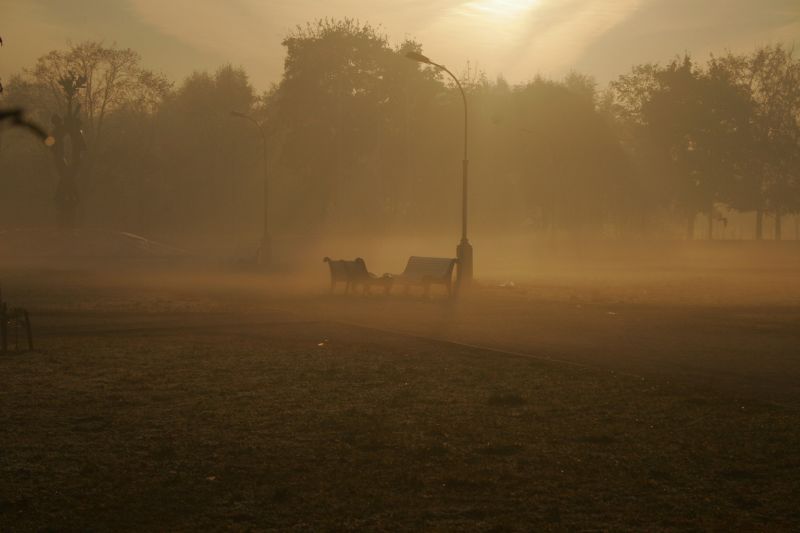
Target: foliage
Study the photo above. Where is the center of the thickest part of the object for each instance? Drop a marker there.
(113, 79)
(725, 132)
(356, 132)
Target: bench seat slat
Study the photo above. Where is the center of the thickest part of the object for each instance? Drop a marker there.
(428, 270)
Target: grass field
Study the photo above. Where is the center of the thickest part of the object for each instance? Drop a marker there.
(221, 402)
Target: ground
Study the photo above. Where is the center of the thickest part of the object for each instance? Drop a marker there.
(214, 401)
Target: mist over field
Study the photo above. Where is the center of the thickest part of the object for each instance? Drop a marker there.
(490, 265)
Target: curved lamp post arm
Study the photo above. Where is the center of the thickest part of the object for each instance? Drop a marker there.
(17, 118)
(463, 99)
(419, 58)
(464, 249)
(258, 125)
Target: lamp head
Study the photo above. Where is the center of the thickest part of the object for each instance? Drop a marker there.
(416, 56)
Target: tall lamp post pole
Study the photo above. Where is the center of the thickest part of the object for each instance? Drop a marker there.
(464, 248)
(264, 257)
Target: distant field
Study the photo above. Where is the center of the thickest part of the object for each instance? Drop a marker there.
(171, 403)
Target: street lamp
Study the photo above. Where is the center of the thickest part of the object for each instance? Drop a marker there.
(264, 256)
(464, 248)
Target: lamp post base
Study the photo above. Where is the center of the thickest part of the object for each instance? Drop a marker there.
(464, 272)
(264, 253)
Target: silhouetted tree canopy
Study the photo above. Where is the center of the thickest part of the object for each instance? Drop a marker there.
(358, 132)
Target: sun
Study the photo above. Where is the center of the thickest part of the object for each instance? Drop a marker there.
(500, 22)
(500, 9)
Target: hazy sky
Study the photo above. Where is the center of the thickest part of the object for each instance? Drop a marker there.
(516, 38)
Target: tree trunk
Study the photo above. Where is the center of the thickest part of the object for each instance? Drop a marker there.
(777, 224)
(711, 222)
(690, 227)
(68, 164)
(759, 224)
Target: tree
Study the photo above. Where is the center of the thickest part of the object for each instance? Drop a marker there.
(16, 117)
(80, 88)
(206, 163)
(347, 107)
(770, 77)
(574, 164)
(692, 124)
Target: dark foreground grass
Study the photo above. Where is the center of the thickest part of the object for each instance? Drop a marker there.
(317, 426)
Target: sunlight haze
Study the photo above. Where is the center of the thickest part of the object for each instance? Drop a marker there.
(412, 265)
(513, 38)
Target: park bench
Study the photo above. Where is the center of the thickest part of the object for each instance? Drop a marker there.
(355, 273)
(427, 271)
(14, 318)
(338, 273)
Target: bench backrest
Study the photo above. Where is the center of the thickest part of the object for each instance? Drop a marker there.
(343, 270)
(338, 268)
(429, 268)
(357, 269)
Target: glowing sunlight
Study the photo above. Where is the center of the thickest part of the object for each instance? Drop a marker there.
(500, 9)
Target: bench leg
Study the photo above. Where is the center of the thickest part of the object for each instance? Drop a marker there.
(28, 330)
(3, 327)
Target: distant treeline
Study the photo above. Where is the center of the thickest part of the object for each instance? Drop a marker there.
(362, 139)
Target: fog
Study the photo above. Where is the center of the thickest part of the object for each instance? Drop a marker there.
(359, 142)
(674, 184)
(390, 294)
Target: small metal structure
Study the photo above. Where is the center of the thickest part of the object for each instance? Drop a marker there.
(68, 162)
(13, 319)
